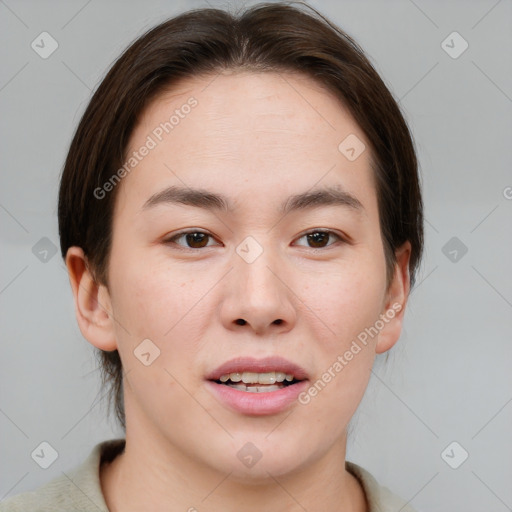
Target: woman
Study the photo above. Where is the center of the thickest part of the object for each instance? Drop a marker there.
(241, 218)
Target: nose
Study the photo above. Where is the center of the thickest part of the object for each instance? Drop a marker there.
(259, 296)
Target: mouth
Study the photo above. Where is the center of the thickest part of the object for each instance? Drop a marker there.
(257, 386)
(253, 382)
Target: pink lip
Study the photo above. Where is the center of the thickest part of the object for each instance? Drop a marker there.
(250, 364)
(257, 404)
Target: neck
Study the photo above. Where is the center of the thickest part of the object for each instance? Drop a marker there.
(157, 473)
(140, 479)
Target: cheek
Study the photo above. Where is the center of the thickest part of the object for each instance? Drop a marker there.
(146, 301)
(159, 301)
(153, 307)
(346, 301)
(159, 392)
(347, 304)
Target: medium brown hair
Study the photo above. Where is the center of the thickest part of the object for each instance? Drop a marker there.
(266, 37)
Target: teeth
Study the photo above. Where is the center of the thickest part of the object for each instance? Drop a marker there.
(249, 378)
(268, 378)
(256, 389)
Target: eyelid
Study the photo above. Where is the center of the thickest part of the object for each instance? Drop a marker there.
(186, 232)
(341, 238)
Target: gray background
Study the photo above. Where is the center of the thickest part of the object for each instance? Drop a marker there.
(449, 379)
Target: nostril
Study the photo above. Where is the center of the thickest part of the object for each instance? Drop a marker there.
(241, 321)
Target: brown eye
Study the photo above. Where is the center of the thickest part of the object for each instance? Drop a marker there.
(319, 239)
(193, 239)
(196, 240)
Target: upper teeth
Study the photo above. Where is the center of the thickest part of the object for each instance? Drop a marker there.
(257, 378)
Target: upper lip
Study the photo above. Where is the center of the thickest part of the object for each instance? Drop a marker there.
(250, 364)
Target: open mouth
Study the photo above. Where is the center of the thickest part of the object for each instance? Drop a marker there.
(258, 387)
(252, 382)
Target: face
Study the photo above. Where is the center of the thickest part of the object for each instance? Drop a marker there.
(193, 285)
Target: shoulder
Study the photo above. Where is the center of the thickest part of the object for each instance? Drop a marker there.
(76, 490)
(380, 498)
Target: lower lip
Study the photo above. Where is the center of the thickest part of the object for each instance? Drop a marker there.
(257, 404)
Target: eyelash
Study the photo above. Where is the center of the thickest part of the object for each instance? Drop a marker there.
(172, 239)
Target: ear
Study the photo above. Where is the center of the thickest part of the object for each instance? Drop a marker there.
(93, 306)
(396, 298)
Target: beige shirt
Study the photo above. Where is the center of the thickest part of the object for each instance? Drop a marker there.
(81, 491)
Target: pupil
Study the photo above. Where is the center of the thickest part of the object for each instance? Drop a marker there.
(314, 237)
(317, 238)
(193, 238)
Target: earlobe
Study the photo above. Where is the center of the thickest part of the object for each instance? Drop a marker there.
(93, 307)
(396, 299)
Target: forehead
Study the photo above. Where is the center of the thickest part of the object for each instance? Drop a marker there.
(283, 104)
(243, 133)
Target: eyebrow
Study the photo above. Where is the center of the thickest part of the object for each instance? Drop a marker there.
(200, 198)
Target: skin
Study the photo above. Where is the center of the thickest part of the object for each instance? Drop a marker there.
(256, 138)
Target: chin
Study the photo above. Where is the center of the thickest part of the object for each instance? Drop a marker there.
(253, 465)
(263, 473)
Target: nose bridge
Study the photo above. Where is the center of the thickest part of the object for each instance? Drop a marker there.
(256, 265)
(257, 293)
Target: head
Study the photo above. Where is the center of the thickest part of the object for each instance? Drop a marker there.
(272, 103)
